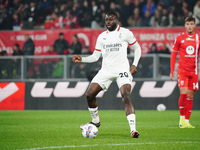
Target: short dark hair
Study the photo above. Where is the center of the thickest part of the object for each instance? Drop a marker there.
(17, 45)
(61, 33)
(113, 13)
(188, 19)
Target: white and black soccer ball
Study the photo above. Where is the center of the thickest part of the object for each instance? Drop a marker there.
(89, 131)
(161, 107)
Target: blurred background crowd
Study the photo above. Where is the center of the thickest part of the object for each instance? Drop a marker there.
(65, 14)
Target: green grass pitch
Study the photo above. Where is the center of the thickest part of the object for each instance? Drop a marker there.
(44, 130)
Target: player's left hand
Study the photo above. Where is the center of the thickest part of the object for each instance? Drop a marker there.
(133, 69)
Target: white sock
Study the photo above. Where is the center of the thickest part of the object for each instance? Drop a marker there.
(94, 114)
(186, 120)
(131, 121)
(182, 116)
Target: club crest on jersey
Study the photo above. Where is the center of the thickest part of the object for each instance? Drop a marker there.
(190, 50)
(190, 39)
(182, 82)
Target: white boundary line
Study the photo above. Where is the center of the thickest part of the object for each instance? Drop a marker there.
(93, 145)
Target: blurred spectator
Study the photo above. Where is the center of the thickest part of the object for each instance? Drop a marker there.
(61, 45)
(86, 50)
(76, 9)
(6, 66)
(165, 19)
(20, 10)
(71, 21)
(51, 51)
(31, 16)
(178, 8)
(196, 12)
(17, 23)
(29, 46)
(178, 20)
(150, 6)
(44, 8)
(156, 19)
(86, 20)
(146, 20)
(135, 21)
(164, 65)
(86, 17)
(106, 3)
(48, 24)
(191, 3)
(138, 4)
(93, 69)
(75, 47)
(57, 21)
(17, 62)
(165, 49)
(79, 70)
(153, 49)
(94, 9)
(47, 67)
(3, 64)
(7, 22)
(17, 51)
(165, 3)
(186, 12)
(126, 11)
(62, 8)
(86, 7)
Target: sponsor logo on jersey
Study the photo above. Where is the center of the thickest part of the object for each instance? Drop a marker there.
(190, 39)
(112, 47)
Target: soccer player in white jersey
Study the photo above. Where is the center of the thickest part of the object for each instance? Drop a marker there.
(112, 45)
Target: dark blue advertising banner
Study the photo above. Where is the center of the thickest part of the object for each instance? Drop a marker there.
(145, 95)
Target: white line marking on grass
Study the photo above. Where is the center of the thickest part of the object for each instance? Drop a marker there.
(79, 146)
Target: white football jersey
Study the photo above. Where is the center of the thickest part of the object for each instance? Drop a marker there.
(113, 47)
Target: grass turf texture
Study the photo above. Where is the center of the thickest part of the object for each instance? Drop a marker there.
(60, 130)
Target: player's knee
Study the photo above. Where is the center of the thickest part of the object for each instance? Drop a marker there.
(89, 96)
(126, 97)
(125, 94)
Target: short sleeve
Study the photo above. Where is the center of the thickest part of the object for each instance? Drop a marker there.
(176, 44)
(99, 43)
(130, 38)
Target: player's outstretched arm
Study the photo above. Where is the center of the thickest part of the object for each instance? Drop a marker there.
(76, 58)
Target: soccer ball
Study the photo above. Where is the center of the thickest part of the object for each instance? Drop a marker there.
(89, 131)
(161, 107)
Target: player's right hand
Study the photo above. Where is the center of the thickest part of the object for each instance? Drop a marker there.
(76, 58)
(172, 77)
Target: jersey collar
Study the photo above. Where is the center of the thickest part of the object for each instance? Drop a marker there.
(117, 29)
(190, 35)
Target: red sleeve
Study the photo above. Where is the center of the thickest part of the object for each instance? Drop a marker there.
(175, 49)
(173, 61)
(176, 43)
